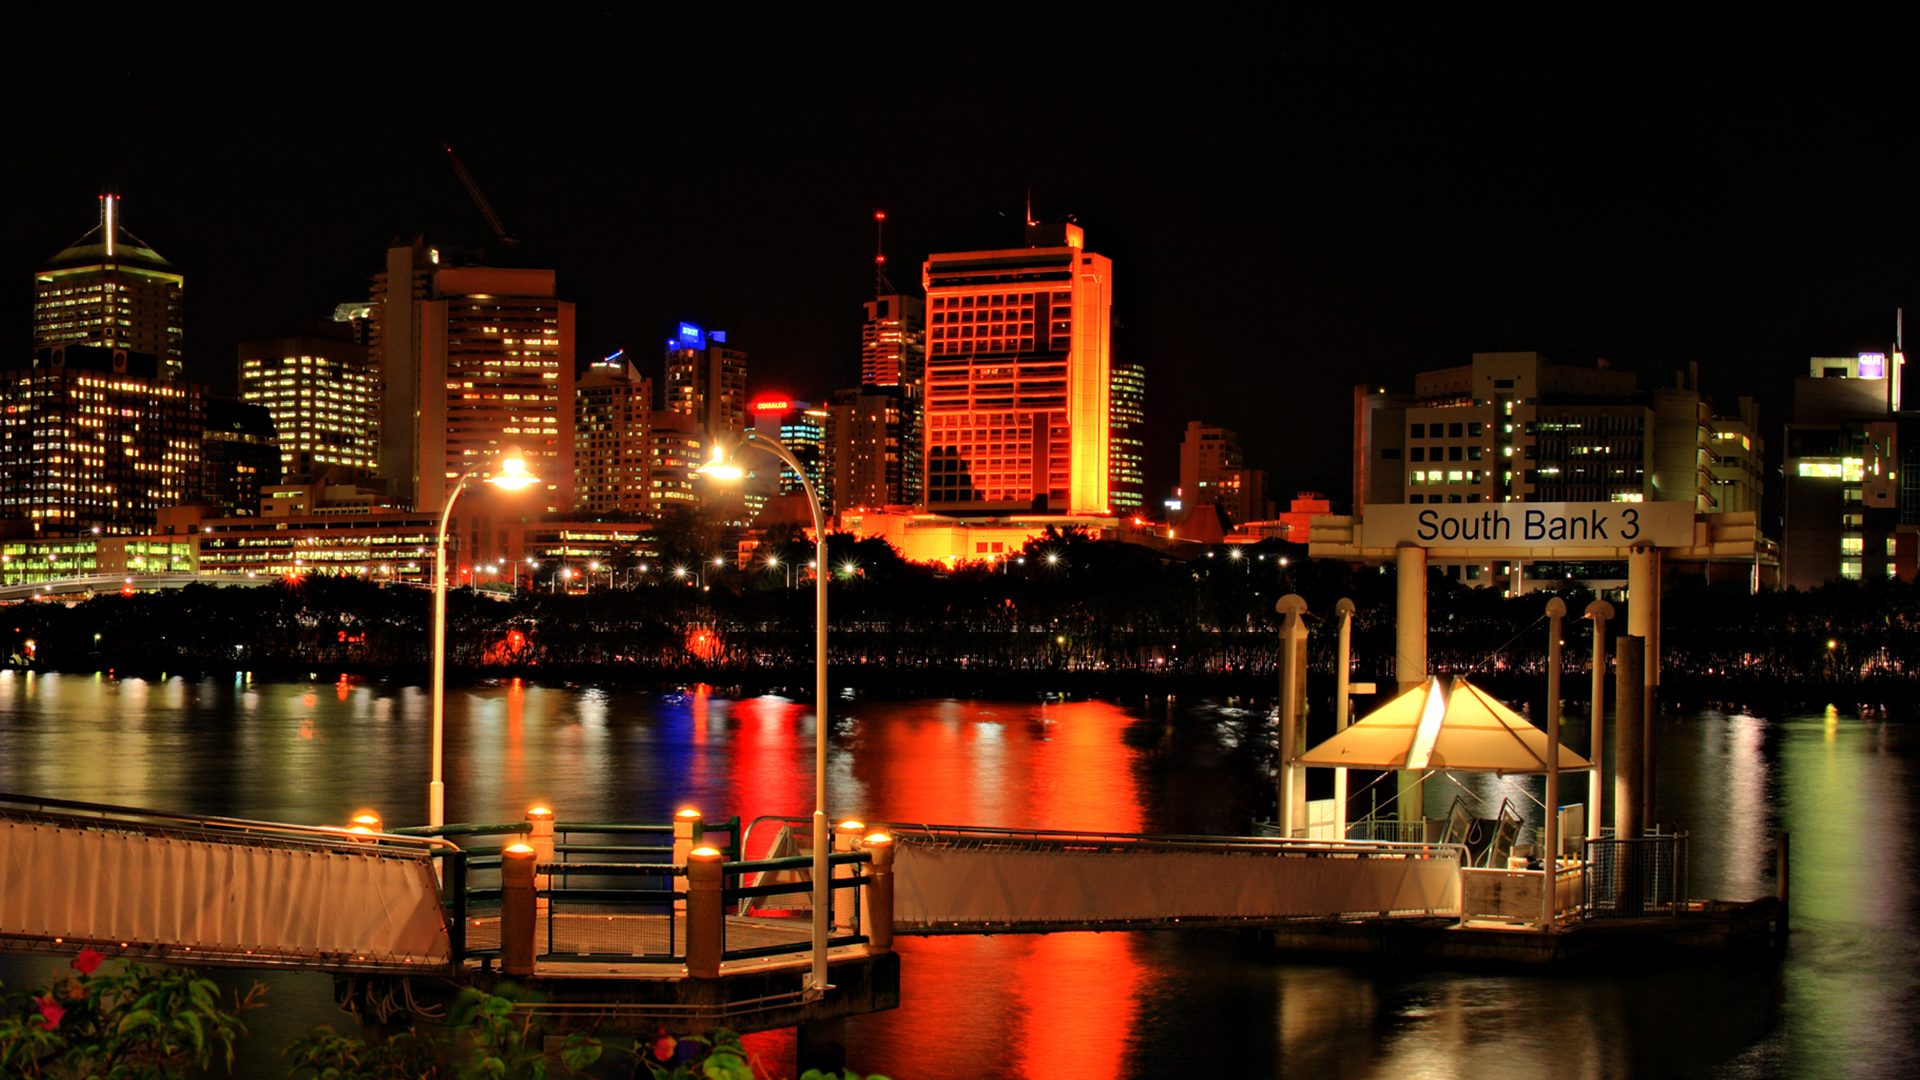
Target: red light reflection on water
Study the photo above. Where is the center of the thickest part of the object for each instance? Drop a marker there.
(764, 777)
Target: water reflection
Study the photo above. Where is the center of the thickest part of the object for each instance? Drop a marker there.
(1142, 1005)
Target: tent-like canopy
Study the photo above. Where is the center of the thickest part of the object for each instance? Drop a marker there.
(1434, 726)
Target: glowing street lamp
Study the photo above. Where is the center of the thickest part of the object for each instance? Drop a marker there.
(513, 476)
(722, 468)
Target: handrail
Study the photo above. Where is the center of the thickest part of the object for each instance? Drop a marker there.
(136, 816)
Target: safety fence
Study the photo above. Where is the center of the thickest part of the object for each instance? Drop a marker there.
(1629, 879)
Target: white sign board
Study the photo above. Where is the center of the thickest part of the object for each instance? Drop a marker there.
(1529, 525)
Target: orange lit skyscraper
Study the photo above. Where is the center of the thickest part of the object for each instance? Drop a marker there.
(1018, 348)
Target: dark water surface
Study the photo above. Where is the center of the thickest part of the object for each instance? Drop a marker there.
(1845, 1002)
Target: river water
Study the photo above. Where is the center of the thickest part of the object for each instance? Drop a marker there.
(1844, 1002)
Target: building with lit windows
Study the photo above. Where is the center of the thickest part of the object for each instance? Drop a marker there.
(1513, 427)
(893, 347)
(110, 289)
(392, 329)
(802, 429)
(496, 369)
(1127, 445)
(94, 438)
(1846, 512)
(324, 396)
(675, 450)
(239, 458)
(1018, 385)
(30, 562)
(613, 439)
(865, 440)
(707, 381)
(1214, 473)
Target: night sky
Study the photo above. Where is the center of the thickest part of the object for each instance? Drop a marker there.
(1290, 208)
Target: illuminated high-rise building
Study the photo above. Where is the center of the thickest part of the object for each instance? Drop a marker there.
(802, 429)
(867, 431)
(893, 348)
(1127, 446)
(674, 451)
(324, 396)
(496, 369)
(707, 381)
(1017, 406)
(613, 438)
(93, 437)
(110, 289)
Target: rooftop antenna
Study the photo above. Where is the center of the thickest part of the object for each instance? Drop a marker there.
(1029, 206)
(881, 286)
(106, 219)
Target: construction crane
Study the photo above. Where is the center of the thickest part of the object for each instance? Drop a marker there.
(507, 239)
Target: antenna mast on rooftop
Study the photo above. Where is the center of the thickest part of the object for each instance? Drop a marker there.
(881, 286)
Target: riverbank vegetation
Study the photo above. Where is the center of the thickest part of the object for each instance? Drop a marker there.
(1065, 609)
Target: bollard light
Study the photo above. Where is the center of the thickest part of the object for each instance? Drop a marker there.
(366, 821)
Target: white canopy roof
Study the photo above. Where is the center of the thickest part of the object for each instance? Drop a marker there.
(1433, 726)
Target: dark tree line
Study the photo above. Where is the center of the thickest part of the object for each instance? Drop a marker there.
(1063, 604)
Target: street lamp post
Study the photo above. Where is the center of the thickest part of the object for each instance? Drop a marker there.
(513, 476)
(722, 468)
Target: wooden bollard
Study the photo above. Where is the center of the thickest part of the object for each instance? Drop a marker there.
(689, 832)
(540, 839)
(846, 838)
(876, 903)
(517, 917)
(706, 915)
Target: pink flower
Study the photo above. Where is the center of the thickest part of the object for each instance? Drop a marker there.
(50, 1013)
(87, 961)
(663, 1047)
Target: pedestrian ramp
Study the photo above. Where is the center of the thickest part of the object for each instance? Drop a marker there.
(952, 879)
(216, 890)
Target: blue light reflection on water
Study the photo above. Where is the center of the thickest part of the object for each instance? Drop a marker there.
(1843, 1003)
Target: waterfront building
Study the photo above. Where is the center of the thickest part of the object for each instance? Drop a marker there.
(324, 397)
(95, 438)
(37, 561)
(707, 380)
(110, 289)
(1018, 384)
(1127, 447)
(1514, 427)
(1847, 512)
(239, 457)
(613, 439)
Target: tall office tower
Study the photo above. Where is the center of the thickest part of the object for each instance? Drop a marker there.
(674, 453)
(324, 396)
(613, 438)
(93, 437)
(1127, 446)
(496, 369)
(393, 345)
(239, 456)
(1214, 473)
(1017, 413)
(109, 289)
(707, 381)
(866, 435)
(893, 341)
(802, 429)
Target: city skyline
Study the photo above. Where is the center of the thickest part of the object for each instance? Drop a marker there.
(1378, 204)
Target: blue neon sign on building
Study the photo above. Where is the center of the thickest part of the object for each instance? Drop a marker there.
(692, 337)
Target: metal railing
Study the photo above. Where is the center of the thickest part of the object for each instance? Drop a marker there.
(1633, 878)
